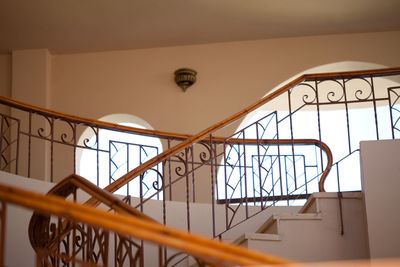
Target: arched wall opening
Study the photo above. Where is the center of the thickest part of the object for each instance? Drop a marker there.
(339, 113)
(106, 155)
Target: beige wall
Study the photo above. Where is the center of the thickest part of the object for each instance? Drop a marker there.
(140, 82)
(380, 176)
(5, 79)
(5, 74)
(30, 82)
(230, 76)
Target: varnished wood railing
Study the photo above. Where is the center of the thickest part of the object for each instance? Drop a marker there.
(39, 233)
(210, 130)
(96, 123)
(212, 252)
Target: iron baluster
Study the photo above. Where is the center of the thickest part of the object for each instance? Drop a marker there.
(97, 156)
(187, 190)
(319, 122)
(169, 171)
(193, 182)
(212, 166)
(29, 143)
(226, 188)
(245, 173)
(279, 157)
(75, 145)
(374, 102)
(52, 150)
(259, 166)
(347, 115)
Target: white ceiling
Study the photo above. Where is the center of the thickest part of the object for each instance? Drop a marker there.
(66, 26)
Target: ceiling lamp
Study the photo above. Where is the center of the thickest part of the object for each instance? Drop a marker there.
(185, 78)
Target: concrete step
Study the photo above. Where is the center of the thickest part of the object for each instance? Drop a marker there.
(272, 225)
(256, 236)
(314, 233)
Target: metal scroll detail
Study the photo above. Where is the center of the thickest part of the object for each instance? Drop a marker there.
(60, 242)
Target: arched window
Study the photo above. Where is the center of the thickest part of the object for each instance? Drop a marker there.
(106, 155)
(339, 112)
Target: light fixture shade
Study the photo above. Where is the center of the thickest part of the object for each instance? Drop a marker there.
(185, 78)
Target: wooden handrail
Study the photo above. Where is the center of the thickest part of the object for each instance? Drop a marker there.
(214, 252)
(67, 187)
(207, 132)
(159, 158)
(90, 122)
(74, 181)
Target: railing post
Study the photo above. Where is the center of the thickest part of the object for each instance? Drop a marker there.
(213, 156)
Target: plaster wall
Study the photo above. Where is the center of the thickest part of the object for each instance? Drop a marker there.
(31, 73)
(5, 79)
(30, 76)
(140, 82)
(5, 74)
(231, 76)
(380, 175)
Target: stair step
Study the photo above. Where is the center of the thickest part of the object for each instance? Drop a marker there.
(271, 226)
(311, 206)
(256, 236)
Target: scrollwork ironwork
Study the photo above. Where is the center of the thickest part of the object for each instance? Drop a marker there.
(64, 136)
(41, 131)
(332, 96)
(205, 156)
(306, 98)
(362, 94)
(178, 169)
(158, 186)
(87, 140)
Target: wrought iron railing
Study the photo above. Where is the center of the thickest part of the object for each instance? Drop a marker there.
(270, 161)
(64, 233)
(287, 92)
(192, 175)
(327, 107)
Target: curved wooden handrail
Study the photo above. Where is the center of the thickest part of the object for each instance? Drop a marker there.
(315, 142)
(38, 225)
(90, 122)
(74, 181)
(143, 167)
(207, 132)
(214, 252)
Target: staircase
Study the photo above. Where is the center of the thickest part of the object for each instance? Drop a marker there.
(330, 226)
(243, 179)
